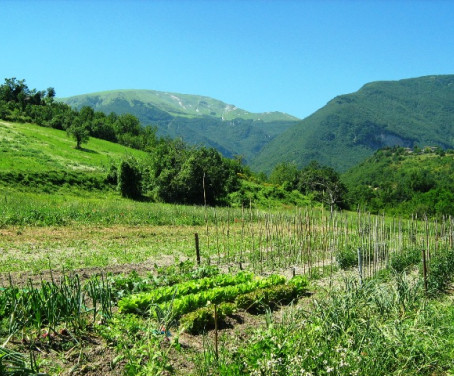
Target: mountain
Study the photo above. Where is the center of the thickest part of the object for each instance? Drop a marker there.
(196, 119)
(417, 111)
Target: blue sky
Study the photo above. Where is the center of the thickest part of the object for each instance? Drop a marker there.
(290, 56)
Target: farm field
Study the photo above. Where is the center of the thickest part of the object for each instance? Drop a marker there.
(94, 284)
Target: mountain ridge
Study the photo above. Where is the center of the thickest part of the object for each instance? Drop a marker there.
(179, 104)
(351, 127)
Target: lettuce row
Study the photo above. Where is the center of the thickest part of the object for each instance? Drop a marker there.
(190, 302)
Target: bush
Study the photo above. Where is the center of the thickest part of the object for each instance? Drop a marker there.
(347, 258)
(130, 179)
(400, 262)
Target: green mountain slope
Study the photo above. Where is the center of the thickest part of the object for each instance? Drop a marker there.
(351, 127)
(34, 156)
(404, 180)
(196, 119)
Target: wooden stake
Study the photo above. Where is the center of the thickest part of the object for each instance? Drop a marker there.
(424, 269)
(197, 248)
(216, 332)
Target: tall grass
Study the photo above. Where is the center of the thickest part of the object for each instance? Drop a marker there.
(372, 329)
(54, 303)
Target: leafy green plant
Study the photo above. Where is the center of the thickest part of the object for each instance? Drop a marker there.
(441, 271)
(401, 261)
(140, 303)
(202, 319)
(260, 300)
(166, 293)
(347, 258)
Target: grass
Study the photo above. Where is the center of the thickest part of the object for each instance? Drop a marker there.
(375, 329)
(28, 147)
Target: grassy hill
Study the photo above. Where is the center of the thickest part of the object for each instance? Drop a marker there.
(174, 104)
(35, 157)
(418, 111)
(196, 119)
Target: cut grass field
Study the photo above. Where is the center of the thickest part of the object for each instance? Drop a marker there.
(30, 148)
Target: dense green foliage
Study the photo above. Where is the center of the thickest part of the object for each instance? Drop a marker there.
(202, 319)
(406, 181)
(351, 127)
(193, 175)
(253, 193)
(322, 183)
(130, 179)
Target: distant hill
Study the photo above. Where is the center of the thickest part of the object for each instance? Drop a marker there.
(196, 119)
(418, 111)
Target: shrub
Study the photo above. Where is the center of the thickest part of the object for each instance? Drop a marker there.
(400, 262)
(130, 179)
(347, 258)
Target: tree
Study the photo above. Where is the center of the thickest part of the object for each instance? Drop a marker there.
(130, 179)
(285, 174)
(324, 182)
(50, 94)
(79, 131)
(192, 175)
(14, 90)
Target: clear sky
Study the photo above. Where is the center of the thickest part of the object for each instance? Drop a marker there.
(289, 56)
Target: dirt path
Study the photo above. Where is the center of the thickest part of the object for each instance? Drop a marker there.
(22, 278)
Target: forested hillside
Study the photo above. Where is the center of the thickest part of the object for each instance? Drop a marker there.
(89, 150)
(198, 120)
(401, 180)
(418, 111)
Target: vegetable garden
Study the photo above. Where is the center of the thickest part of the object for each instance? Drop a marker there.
(276, 293)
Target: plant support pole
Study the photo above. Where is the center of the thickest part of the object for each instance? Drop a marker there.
(197, 248)
(360, 266)
(424, 269)
(216, 332)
